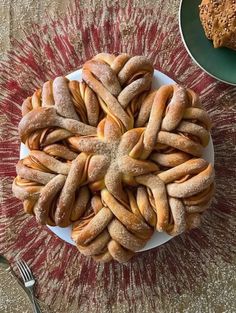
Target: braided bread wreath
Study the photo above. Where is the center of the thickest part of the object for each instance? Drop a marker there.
(114, 159)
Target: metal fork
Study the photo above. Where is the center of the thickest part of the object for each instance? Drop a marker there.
(29, 281)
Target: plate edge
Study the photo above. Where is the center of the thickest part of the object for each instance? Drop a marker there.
(190, 54)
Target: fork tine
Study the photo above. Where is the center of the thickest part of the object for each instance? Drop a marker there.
(21, 271)
(28, 269)
(25, 270)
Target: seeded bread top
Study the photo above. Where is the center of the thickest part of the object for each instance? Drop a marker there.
(218, 18)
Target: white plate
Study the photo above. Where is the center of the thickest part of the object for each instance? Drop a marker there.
(157, 238)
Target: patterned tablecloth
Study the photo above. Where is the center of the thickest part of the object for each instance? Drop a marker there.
(191, 273)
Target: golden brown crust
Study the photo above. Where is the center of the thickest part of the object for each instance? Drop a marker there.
(219, 22)
(115, 183)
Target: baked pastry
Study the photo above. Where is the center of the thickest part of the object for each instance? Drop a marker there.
(114, 159)
(218, 18)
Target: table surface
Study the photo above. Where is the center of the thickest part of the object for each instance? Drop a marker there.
(193, 272)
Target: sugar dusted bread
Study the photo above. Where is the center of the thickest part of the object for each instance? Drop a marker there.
(114, 159)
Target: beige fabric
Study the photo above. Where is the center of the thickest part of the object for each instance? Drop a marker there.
(13, 298)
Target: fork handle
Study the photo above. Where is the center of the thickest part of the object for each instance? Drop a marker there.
(34, 303)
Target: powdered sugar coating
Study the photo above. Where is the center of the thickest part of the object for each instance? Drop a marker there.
(112, 158)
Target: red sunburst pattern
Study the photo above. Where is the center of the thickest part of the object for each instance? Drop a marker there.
(189, 273)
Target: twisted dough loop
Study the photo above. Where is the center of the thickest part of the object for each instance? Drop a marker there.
(113, 159)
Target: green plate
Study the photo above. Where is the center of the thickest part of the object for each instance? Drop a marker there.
(220, 63)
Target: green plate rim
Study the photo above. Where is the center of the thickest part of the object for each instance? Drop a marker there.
(189, 51)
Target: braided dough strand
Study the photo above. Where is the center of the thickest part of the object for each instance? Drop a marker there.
(114, 159)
